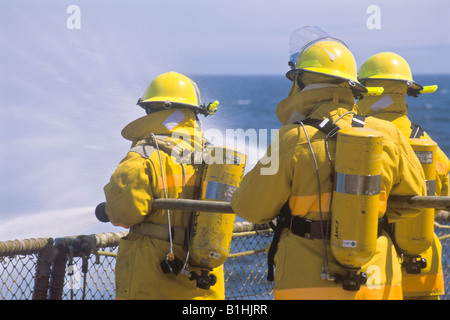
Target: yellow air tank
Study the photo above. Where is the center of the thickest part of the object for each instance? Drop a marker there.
(415, 236)
(212, 232)
(355, 201)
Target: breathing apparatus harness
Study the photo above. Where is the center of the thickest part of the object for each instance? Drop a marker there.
(176, 235)
(207, 235)
(317, 229)
(171, 263)
(412, 265)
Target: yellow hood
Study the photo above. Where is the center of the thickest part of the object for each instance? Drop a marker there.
(392, 100)
(301, 104)
(167, 122)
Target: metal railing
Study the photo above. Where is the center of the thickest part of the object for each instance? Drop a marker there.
(82, 267)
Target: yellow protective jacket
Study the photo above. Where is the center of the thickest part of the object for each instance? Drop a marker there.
(391, 106)
(134, 185)
(260, 197)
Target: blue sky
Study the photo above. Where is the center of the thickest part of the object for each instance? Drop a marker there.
(63, 91)
(246, 36)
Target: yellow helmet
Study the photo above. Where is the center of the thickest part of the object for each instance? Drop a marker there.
(387, 66)
(314, 51)
(169, 88)
(174, 90)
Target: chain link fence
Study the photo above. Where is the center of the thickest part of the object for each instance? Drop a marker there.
(26, 273)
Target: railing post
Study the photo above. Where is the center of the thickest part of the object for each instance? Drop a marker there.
(58, 272)
(43, 267)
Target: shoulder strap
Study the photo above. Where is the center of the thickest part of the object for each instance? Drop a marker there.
(325, 125)
(416, 131)
(145, 147)
(358, 121)
(329, 128)
(145, 150)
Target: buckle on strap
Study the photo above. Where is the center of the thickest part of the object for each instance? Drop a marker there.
(161, 232)
(310, 229)
(329, 128)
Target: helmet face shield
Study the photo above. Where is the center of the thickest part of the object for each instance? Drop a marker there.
(302, 38)
(313, 51)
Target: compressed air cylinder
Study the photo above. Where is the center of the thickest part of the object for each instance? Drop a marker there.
(415, 235)
(356, 196)
(212, 232)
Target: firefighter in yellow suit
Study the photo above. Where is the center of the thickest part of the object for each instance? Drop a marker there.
(172, 102)
(324, 84)
(393, 73)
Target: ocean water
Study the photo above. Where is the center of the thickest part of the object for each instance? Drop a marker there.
(62, 157)
(250, 102)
